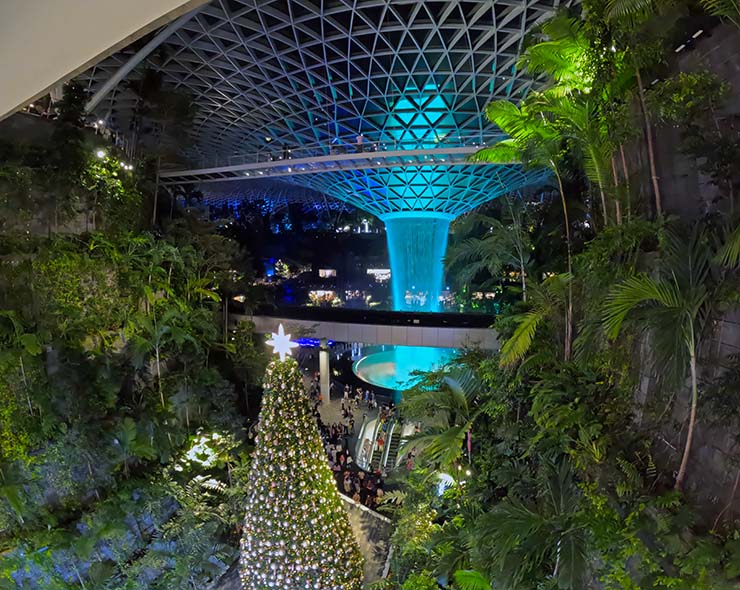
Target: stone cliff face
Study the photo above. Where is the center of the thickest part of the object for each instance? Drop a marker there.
(714, 466)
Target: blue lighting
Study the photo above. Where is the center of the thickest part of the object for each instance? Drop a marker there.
(312, 342)
(416, 245)
(393, 367)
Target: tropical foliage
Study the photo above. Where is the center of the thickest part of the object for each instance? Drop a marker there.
(123, 452)
(575, 456)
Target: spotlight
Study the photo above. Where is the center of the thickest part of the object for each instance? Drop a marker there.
(101, 122)
(100, 154)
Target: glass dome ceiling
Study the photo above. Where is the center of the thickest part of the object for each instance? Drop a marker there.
(326, 77)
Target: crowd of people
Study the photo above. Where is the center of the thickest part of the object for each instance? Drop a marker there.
(363, 486)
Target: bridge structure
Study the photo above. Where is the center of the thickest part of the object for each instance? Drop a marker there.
(373, 327)
(377, 103)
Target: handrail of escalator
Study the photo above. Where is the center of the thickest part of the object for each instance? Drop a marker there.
(387, 450)
(374, 441)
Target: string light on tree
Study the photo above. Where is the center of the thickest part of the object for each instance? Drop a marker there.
(297, 534)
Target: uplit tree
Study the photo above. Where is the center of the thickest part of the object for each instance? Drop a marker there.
(296, 532)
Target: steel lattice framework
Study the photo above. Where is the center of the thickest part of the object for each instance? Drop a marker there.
(451, 190)
(310, 79)
(310, 71)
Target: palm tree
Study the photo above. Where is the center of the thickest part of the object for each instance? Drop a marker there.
(506, 243)
(729, 253)
(636, 10)
(547, 302)
(579, 120)
(676, 305)
(450, 403)
(562, 54)
(520, 541)
(153, 336)
(535, 142)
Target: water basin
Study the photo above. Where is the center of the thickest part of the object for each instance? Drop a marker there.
(391, 367)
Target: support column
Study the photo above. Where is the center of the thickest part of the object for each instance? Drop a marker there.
(324, 369)
(417, 241)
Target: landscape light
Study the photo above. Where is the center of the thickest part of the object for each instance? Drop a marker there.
(101, 122)
(100, 154)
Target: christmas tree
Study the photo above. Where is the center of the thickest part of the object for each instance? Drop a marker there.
(297, 534)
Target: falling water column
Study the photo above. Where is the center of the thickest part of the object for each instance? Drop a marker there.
(417, 241)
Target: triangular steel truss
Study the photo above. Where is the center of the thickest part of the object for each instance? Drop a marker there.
(310, 71)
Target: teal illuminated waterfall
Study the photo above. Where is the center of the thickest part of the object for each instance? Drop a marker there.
(415, 178)
(417, 241)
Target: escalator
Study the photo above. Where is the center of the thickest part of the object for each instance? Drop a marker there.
(393, 445)
(379, 457)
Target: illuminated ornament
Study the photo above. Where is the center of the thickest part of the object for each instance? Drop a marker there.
(281, 343)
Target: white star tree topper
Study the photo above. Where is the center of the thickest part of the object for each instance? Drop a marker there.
(281, 343)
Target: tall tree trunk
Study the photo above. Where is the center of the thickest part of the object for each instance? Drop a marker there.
(627, 192)
(524, 278)
(25, 385)
(692, 421)
(569, 305)
(651, 150)
(600, 182)
(617, 208)
(159, 376)
(156, 192)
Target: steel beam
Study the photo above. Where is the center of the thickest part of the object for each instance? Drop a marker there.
(138, 57)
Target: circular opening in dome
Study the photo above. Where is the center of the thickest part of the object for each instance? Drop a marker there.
(392, 367)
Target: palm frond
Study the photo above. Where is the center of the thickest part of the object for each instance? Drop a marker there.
(729, 254)
(729, 9)
(632, 293)
(629, 10)
(471, 580)
(504, 152)
(521, 340)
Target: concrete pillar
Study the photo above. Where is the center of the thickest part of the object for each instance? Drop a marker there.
(324, 368)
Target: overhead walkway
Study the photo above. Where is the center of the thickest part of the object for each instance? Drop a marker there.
(443, 330)
(321, 160)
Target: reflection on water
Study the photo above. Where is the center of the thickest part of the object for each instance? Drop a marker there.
(392, 367)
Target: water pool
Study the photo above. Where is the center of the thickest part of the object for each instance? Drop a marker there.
(391, 366)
